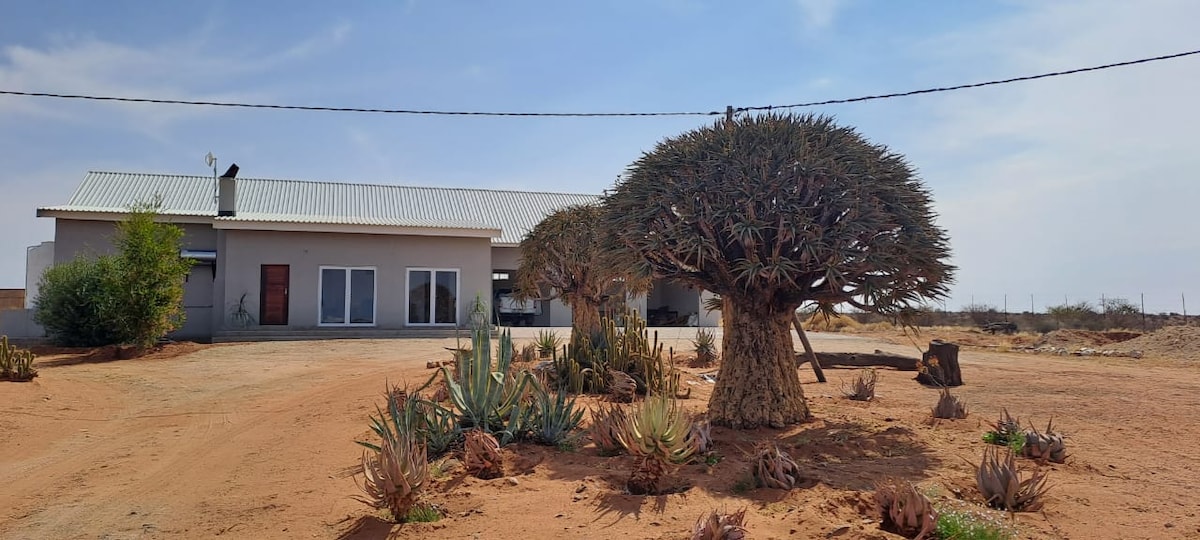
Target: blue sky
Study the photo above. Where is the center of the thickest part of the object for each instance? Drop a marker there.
(1079, 186)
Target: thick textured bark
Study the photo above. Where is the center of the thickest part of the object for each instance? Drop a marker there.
(645, 476)
(939, 365)
(585, 317)
(758, 384)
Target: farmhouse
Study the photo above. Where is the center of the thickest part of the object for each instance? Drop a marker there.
(278, 259)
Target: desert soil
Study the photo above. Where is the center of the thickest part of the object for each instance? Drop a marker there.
(257, 441)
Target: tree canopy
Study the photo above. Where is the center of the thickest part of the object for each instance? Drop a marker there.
(569, 256)
(772, 211)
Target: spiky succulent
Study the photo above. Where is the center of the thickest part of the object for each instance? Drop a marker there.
(1005, 429)
(1001, 484)
(547, 343)
(705, 346)
(481, 455)
(862, 388)
(949, 406)
(607, 421)
(394, 472)
(904, 510)
(717, 525)
(660, 435)
(774, 468)
(1046, 445)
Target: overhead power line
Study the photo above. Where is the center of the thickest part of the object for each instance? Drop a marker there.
(595, 114)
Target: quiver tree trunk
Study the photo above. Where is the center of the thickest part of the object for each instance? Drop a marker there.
(585, 318)
(939, 365)
(757, 384)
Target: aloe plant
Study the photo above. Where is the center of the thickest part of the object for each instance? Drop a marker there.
(483, 393)
(660, 435)
(396, 470)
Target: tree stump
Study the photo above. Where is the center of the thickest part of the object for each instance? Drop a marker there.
(939, 365)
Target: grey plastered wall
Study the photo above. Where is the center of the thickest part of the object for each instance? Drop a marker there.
(506, 258)
(243, 252)
(73, 237)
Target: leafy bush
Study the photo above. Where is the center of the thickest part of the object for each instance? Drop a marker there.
(75, 302)
(134, 297)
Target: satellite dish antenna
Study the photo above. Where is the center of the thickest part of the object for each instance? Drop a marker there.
(210, 160)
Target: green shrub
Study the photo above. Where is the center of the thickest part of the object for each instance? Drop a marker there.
(134, 297)
(75, 300)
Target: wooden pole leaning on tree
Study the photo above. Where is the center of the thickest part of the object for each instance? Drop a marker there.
(939, 365)
(812, 356)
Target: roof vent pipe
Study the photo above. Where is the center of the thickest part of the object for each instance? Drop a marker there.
(227, 192)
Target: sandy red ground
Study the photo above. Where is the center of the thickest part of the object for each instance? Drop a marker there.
(257, 441)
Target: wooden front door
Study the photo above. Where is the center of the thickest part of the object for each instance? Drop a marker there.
(273, 304)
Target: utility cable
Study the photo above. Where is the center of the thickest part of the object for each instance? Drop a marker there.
(596, 114)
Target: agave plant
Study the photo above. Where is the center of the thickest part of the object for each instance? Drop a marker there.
(607, 422)
(660, 436)
(481, 455)
(556, 417)
(862, 388)
(721, 526)
(486, 395)
(904, 510)
(705, 345)
(1000, 482)
(395, 471)
(774, 468)
(1046, 445)
(949, 406)
(621, 386)
(547, 343)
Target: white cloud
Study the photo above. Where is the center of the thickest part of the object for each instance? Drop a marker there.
(1078, 185)
(820, 14)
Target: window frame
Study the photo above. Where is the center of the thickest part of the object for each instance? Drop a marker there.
(432, 295)
(348, 271)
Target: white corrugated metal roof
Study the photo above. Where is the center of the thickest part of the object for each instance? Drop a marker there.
(297, 201)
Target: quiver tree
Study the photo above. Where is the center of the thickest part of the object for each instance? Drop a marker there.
(772, 211)
(568, 256)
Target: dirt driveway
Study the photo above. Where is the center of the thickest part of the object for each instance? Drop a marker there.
(256, 441)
